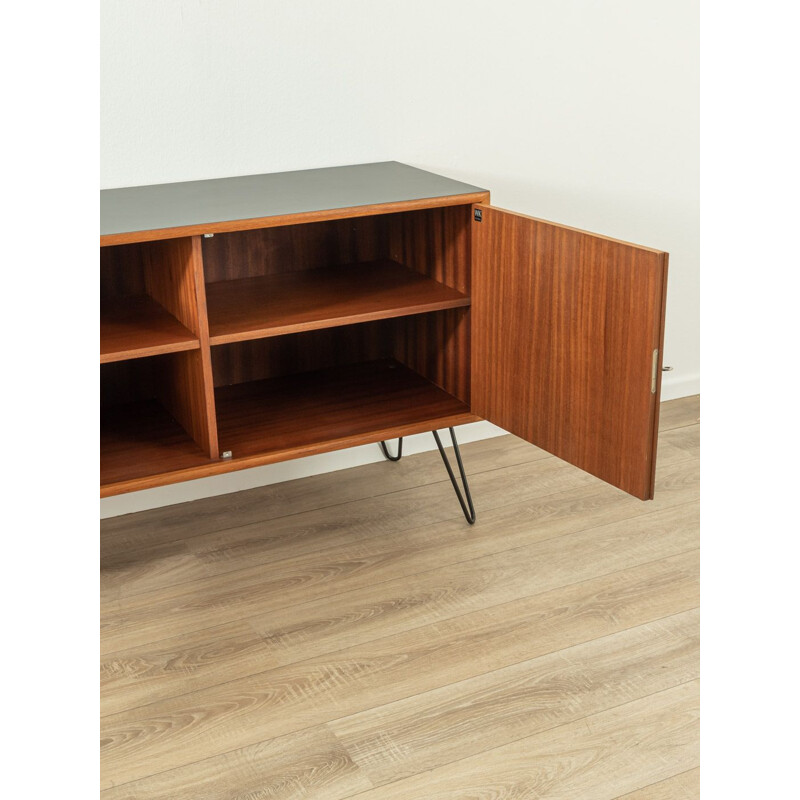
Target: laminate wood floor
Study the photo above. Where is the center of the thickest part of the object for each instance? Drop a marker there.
(349, 635)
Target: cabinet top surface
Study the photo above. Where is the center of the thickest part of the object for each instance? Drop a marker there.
(198, 203)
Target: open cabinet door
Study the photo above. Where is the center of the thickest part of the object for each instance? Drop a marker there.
(567, 340)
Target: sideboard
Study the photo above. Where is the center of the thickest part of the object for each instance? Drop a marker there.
(254, 319)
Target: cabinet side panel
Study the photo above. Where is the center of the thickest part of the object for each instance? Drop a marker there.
(436, 243)
(566, 324)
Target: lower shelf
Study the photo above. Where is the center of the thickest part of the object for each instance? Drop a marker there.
(140, 440)
(275, 420)
(296, 415)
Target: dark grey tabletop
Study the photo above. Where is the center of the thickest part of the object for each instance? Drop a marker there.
(175, 205)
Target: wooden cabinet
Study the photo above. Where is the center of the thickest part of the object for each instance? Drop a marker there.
(251, 320)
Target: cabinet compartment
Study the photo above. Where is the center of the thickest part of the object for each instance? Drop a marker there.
(322, 390)
(148, 301)
(153, 418)
(319, 275)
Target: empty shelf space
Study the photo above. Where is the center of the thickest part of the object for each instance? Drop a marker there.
(142, 439)
(272, 305)
(286, 417)
(134, 327)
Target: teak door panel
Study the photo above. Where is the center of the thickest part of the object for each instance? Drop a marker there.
(564, 329)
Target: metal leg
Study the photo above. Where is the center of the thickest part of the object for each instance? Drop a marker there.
(399, 450)
(469, 513)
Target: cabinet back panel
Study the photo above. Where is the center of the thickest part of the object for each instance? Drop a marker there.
(434, 345)
(161, 377)
(250, 254)
(128, 381)
(437, 346)
(242, 362)
(434, 242)
(121, 271)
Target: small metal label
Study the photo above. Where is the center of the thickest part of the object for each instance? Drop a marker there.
(478, 215)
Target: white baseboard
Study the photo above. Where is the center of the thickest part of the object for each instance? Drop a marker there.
(277, 473)
(671, 389)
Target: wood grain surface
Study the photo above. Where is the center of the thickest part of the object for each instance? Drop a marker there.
(138, 439)
(295, 248)
(290, 302)
(347, 635)
(170, 277)
(135, 327)
(340, 407)
(169, 429)
(565, 324)
(149, 303)
(436, 243)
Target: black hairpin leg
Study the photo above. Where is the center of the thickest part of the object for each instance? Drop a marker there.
(467, 508)
(399, 450)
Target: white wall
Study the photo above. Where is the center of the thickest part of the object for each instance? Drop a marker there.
(580, 111)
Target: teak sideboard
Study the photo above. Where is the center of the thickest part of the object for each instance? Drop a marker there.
(250, 320)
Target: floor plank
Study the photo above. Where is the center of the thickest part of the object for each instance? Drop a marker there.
(310, 764)
(218, 599)
(181, 664)
(368, 558)
(686, 439)
(679, 413)
(433, 728)
(495, 637)
(598, 757)
(194, 726)
(684, 786)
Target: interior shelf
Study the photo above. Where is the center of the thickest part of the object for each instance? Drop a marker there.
(142, 439)
(272, 305)
(324, 410)
(135, 327)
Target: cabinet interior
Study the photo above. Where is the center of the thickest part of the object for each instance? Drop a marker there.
(147, 303)
(268, 344)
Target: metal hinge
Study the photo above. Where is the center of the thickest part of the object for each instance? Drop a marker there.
(208, 235)
(227, 454)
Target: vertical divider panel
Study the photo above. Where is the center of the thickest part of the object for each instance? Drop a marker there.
(173, 271)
